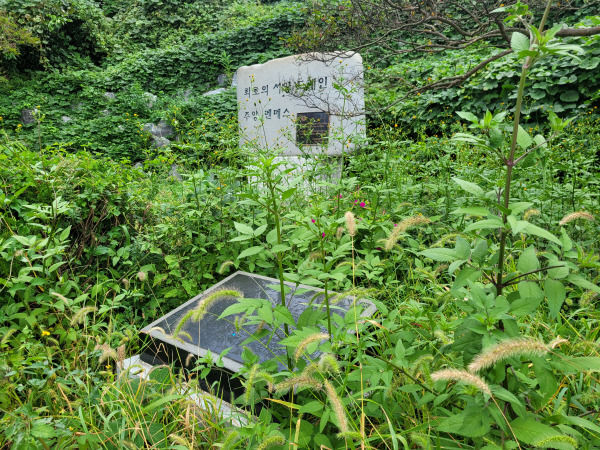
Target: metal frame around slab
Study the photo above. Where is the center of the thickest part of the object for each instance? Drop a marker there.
(152, 331)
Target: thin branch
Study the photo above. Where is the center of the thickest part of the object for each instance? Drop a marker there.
(512, 280)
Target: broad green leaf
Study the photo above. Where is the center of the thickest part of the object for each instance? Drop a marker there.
(485, 224)
(472, 211)
(569, 96)
(528, 430)
(528, 260)
(465, 275)
(287, 194)
(244, 229)
(496, 138)
(42, 431)
(280, 248)
(251, 251)
(518, 207)
(519, 42)
(462, 248)
(516, 225)
(566, 240)
(272, 236)
(282, 314)
(440, 254)
(523, 138)
(469, 187)
(467, 116)
(479, 252)
(65, 233)
(311, 407)
(576, 365)
(556, 294)
(583, 283)
(540, 232)
(260, 230)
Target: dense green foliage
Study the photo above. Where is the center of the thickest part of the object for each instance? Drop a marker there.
(488, 330)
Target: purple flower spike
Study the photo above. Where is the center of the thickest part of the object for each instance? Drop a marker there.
(363, 204)
(313, 220)
(323, 235)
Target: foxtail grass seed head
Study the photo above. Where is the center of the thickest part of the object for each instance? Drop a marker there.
(575, 216)
(403, 226)
(226, 265)
(530, 213)
(420, 440)
(188, 360)
(80, 315)
(230, 440)
(120, 353)
(142, 276)
(61, 297)
(507, 349)
(271, 442)
(350, 223)
(339, 233)
(180, 440)
(7, 336)
(328, 363)
(262, 324)
(462, 376)
(205, 303)
(315, 256)
(557, 342)
(250, 379)
(126, 283)
(107, 353)
(317, 337)
(298, 382)
(562, 439)
(338, 407)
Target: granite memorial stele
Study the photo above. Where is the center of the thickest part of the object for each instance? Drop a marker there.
(305, 107)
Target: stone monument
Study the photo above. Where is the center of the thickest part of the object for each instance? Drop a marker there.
(306, 107)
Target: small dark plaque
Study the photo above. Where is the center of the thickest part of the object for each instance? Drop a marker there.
(311, 128)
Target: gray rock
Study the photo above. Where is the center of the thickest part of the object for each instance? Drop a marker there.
(138, 165)
(27, 116)
(110, 95)
(106, 112)
(159, 142)
(187, 94)
(77, 106)
(161, 130)
(234, 79)
(215, 91)
(151, 99)
(222, 79)
(66, 119)
(174, 173)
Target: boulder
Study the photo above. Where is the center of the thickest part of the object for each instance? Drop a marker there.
(27, 116)
(215, 91)
(151, 99)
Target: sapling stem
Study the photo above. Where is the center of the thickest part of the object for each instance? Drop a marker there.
(511, 161)
(279, 257)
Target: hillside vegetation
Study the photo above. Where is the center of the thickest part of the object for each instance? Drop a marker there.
(468, 215)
